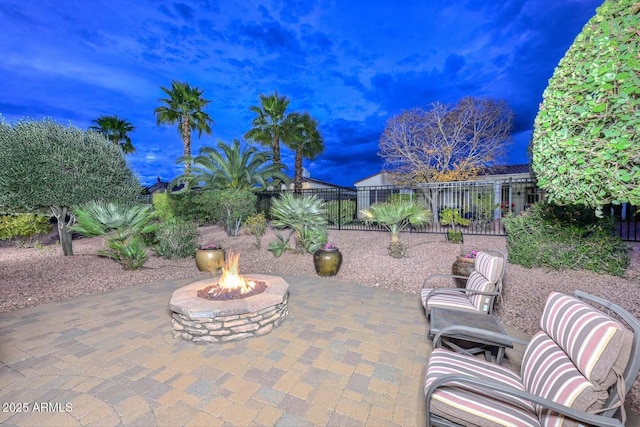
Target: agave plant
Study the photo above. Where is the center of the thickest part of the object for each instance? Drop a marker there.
(305, 216)
(395, 216)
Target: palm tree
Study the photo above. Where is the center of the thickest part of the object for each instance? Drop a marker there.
(307, 143)
(271, 124)
(115, 130)
(395, 215)
(184, 106)
(231, 167)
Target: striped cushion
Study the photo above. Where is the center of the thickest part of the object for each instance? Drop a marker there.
(598, 345)
(478, 282)
(453, 300)
(548, 372)
(469, 405)
(489, 266)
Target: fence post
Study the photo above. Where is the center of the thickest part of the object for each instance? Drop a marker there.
(339, 208)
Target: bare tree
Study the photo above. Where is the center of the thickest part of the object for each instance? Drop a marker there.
(446, 142)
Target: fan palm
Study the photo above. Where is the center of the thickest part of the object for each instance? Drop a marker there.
(115, 130)
(184, 106)
(231, 167)
(307, 143)
(395, 216)
(271, 124)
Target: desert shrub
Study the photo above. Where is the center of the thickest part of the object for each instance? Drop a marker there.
(565, 237)
(176, 238)
(231, 207)
(341, 211)
(23, 226)
(256, 225)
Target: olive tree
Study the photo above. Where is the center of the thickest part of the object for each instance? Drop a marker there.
(586, 136)
(46, 166)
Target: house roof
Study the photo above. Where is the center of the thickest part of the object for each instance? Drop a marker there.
(491, 170)
(507, 169)
(317, 181)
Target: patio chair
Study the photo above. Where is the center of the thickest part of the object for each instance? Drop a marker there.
(575, 371)
(482, 287)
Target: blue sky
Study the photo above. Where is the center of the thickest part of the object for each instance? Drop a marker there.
(351, 64)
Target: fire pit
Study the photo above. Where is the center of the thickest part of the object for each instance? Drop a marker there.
(230, 307)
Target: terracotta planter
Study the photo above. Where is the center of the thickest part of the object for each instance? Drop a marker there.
(462, 267)
(210, 259)
(327, 262)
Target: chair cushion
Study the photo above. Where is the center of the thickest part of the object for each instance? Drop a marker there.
(468, 404)
(549, 373)
(489, 266)
(599, 346)
(478, 282)
(453, 299)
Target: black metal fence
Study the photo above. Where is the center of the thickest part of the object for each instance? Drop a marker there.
(482, 203)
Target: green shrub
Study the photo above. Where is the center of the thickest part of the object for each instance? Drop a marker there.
(187, 208)
(256, 225)
(231, 207)
(176, 239)
(24, 226)
(341, 211)
(568, 237)
(205, 208)
(163, 205)
(192, 206)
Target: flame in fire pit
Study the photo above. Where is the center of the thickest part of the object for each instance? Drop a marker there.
(230, 279)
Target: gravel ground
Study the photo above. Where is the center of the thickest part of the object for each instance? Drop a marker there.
(32, 276)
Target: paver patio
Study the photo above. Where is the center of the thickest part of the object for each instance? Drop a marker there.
(346, 355)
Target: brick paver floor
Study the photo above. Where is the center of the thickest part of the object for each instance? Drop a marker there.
(345, 355)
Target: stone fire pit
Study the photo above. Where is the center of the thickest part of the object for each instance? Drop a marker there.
(207, 321)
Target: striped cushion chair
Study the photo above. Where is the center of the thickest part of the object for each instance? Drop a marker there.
(483, 285)
(574, 372)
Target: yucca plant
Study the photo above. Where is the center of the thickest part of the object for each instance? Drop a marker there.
(122, 224)
(395, 216)
(305, 216)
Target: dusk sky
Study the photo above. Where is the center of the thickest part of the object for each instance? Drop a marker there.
(351, 64)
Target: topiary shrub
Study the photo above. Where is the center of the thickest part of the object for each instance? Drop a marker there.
(586, 144)
(569, 237)
(176, 238)
(341, 211)
(23, 226)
